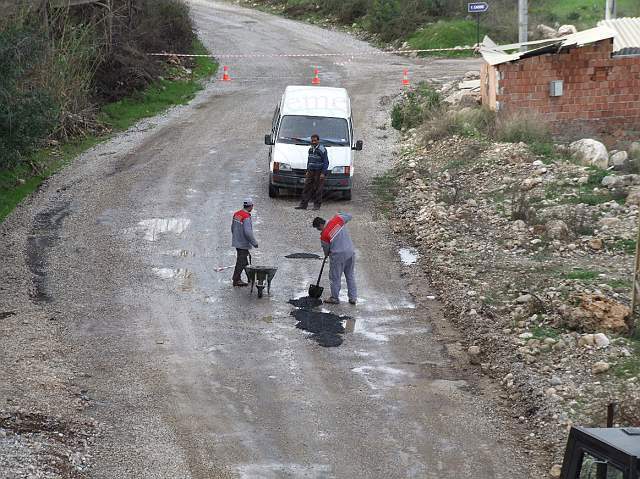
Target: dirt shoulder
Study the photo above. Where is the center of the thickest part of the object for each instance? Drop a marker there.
(533, 258)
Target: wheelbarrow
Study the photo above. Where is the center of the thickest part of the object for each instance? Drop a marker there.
(260, 277)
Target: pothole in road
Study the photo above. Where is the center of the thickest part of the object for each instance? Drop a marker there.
(326, 328)
(302, 256)
(6, 314)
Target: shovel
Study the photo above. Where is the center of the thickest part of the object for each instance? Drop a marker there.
(315, 290)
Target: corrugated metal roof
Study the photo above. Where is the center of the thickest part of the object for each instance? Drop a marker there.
(627, 34)
(494, 55)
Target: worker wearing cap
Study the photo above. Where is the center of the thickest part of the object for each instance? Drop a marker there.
(337, 244)
(242, 239)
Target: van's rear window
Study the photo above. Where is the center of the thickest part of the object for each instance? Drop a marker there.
(297, 129)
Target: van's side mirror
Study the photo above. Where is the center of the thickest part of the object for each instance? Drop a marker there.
(358, 146)
(268, 140)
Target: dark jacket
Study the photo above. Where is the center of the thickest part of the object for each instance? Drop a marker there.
(318, 159)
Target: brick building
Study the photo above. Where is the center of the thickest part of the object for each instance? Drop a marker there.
(576, 83)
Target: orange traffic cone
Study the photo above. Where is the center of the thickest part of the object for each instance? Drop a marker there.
(225, 74)
(316, 78)
(405, 77)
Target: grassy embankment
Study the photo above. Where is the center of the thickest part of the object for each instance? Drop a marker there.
(581, 13)
(19, 182)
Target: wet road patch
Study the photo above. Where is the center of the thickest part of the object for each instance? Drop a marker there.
(153, 228)
(184, 276)
(327, 328)
(303, 256)
(44, 236)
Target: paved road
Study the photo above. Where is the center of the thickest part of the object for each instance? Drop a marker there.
(196, 379)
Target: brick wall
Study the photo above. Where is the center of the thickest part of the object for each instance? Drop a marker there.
(601, 92)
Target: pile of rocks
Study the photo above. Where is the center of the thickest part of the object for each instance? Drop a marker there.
(465, 93)
(533, 260)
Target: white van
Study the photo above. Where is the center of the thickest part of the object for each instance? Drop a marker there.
(303, 111)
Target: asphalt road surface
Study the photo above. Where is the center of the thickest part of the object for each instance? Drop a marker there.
(192, 378)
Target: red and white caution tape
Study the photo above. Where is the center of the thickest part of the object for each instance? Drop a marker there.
(310, 55)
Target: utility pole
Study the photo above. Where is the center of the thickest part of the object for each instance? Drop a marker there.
(610, 10)
(523, 23)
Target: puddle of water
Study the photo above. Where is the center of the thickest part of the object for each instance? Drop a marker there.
(383, 369)
(306, 302)
(408, 256)
(326, 328)
(375, 336)
(185, 276)
(154, 227)
(380, 376)
(303, 256)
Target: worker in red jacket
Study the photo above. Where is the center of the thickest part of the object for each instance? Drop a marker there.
(337, 244)
(242, 239)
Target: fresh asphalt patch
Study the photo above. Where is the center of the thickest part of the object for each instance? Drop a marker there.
(306, 302)
(326, 328)
(303, 256)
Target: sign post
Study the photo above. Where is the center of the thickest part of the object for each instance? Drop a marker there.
(477, 8)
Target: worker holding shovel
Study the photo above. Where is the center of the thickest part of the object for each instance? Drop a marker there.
(337, 244)
(242, 239)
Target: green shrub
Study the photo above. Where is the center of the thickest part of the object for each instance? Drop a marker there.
(418, 105)
(165, 26)
(393, 19)
(161, 26)
(27, 112)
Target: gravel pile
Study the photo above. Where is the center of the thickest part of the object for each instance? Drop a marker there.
(533, 259)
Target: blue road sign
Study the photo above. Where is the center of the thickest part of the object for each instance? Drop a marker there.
(477, 7)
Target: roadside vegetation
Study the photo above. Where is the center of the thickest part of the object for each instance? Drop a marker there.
(73, 82)
(583, 14)
(430, 24)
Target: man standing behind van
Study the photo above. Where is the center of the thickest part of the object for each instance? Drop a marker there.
(317, 168)
(242, 239)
